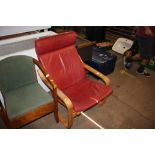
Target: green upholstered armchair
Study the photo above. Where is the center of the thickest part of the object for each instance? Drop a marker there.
(24, 99)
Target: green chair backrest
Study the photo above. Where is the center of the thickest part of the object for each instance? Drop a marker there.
(15, 72)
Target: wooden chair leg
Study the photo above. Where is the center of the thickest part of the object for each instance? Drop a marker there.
(66, 122)
(56, 113)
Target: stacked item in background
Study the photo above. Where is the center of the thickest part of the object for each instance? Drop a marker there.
(103, 58)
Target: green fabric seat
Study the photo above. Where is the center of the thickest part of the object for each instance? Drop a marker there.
(25, 99)
(19, 86)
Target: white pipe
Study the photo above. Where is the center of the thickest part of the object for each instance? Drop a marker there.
(92, 120)
(26, 37)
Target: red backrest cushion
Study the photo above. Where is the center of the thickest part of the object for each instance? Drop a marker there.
(59, 57)
(52, 43)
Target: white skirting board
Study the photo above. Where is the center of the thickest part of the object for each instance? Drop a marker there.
(26, 37)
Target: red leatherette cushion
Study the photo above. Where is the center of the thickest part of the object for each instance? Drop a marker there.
(86, 93)
(59, 57)
(64, 66)
(53, 43)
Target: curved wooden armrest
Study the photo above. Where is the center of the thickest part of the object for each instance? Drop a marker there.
(36, 62)
(51, 85)
(97, 73)
(67, 122)
(83, 45)
(67, 102)
(58, 95)
(46, 81)
(45, 77)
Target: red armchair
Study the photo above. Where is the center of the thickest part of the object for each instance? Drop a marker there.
(66, 72)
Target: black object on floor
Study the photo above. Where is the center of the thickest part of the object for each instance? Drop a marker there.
(102, 60)
(95, 33)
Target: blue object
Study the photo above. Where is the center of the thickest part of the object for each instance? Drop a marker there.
(103, 61)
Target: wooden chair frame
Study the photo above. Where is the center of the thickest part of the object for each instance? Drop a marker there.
(36, 113)
(61, 98)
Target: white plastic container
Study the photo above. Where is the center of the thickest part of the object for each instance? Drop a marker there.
(122, 45)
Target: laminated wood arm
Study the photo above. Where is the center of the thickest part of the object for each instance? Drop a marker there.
(68, 104)
(45, 76)
(104, 78)
(58, 95)
(51, 85)
(83, 45)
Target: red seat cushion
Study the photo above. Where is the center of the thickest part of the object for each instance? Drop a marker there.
(64, 66)
(86, 93)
